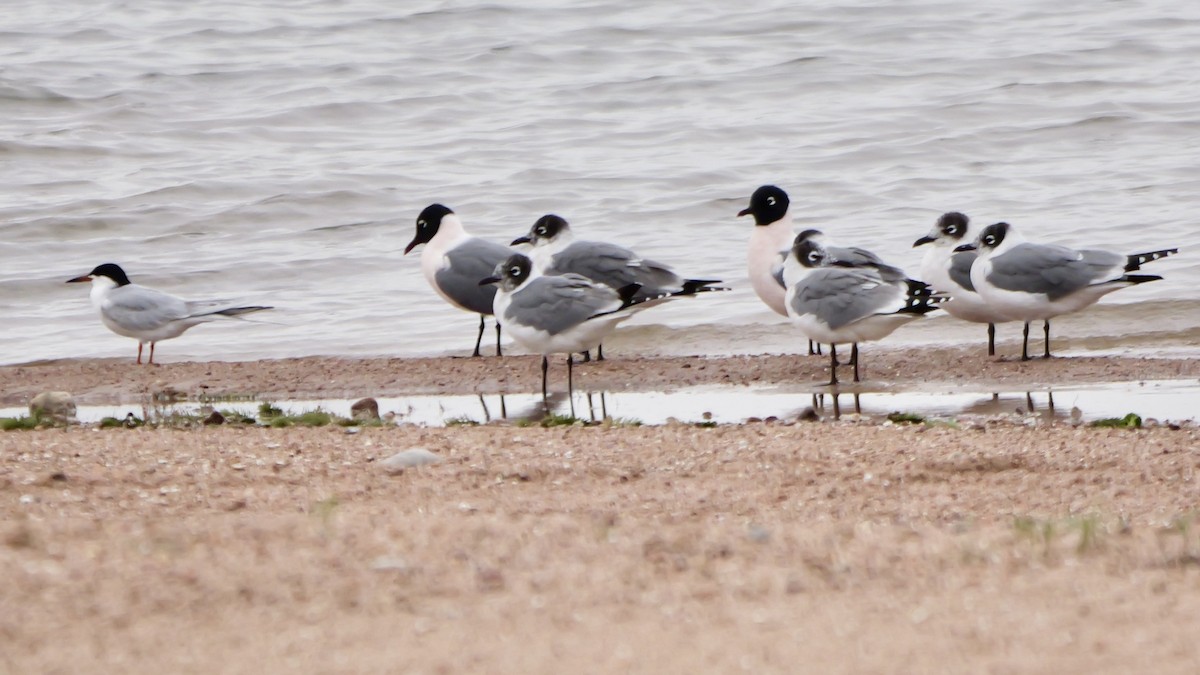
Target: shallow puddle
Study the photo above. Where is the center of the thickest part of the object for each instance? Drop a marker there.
(1172, 400)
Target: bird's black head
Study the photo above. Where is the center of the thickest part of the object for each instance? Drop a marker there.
(808, 250)
(768, 204)
(511, 273)
(427, 225)
(110, 270)
(546, 229)
(993, 235)
(953, 225)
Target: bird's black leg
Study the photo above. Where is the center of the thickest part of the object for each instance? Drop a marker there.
(479, 339)
(991, 339)
(854, 359)
(587, 356)
(1025, 343)
(833, 364)
(498, 352)
(571, 382)
(545, 367)
(812, 350)
(599, 352)
(1046, 332)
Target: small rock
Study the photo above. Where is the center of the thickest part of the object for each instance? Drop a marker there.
(758, 534)
(408, 459)
(214, 418)
(366, 409)
(489, 579)
(55, 406)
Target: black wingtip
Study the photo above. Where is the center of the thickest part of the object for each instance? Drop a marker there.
(1140, 278)
(922, 298)
(627, 292)
(693, 286)
(1135, 261)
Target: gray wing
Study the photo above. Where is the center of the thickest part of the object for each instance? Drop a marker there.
(777, 269)
(960, 269)
(1055, 271)
(842, 296)
(858, 257)
(559, 303)
(142, 309)
(615, 267)
(469, 262)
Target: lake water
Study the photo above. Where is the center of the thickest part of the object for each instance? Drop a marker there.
(278, 153)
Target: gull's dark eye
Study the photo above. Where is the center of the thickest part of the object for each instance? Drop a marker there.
(951, 229)
(770, 201)
(813, 256)
(514, 271)
(989, 240)
(540, 230)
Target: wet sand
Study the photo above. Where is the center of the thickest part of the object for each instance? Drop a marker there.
(836, 546)
(120, 380)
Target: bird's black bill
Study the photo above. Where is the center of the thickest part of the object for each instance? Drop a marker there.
(411, 245)
(80, 280)
(744, 212)
(521, 240)
(924, 240)
(489, 280)
(965, 247)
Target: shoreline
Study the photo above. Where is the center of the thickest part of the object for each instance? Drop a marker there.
(929, 369)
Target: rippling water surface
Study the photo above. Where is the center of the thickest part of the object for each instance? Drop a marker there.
(279, 152)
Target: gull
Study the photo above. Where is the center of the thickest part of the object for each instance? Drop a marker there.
(769, 244)
(555, 250)
(559, 314)
(147, 315)
(1032, 282)
(832, 302)
(850, 257)
(950, 271)
(453, 263)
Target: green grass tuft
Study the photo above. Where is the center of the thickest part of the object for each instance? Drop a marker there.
(905, 418)
(462, 421)
(266, 410)
(313, 418)
(22, 423)
(1130, 421)
(556, 420)
(235, 417)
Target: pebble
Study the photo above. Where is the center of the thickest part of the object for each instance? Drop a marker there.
(366, 409)
(408, 459)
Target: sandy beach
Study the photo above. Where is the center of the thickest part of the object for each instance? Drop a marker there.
(845, 546)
